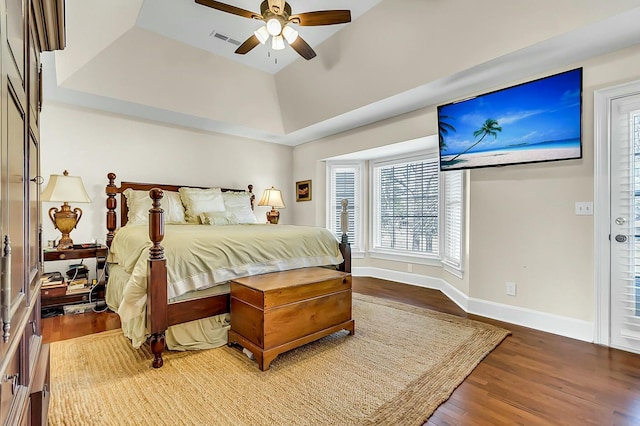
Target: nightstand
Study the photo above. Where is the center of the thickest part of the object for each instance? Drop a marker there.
(55, 299)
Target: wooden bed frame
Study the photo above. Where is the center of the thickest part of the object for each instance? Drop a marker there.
(160, 313)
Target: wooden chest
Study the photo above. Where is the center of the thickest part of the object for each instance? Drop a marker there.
(274, 313)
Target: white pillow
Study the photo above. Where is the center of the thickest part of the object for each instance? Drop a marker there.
(218, 218)
(239, 203)
(139, 203)
(198, 201)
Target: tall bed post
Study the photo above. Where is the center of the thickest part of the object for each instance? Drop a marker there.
(344, 246)
(252, 197)
(157, 319)
(111, 191)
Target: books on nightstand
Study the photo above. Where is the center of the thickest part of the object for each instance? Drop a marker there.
(52, 279)
(52, 285)
(78, 286)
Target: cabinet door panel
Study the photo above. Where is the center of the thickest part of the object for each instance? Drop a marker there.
(34, 83)
(15, 33)
(16, 194)
(33, 222)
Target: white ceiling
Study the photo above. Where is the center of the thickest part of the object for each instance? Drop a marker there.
(194, 24)
(157, 60)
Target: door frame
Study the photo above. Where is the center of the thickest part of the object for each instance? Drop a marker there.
(602, 210)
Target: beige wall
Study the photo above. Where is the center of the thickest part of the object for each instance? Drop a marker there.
(144, 68)
(522, 226)
(91, 144)
(522, 222)
(400, 45)
(397, 46)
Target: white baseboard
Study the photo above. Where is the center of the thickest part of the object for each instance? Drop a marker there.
(550, 323)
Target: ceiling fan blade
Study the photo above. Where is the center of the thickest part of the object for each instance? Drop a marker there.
(303, 48)
(248, 44)
(322, 17)
(229, 9)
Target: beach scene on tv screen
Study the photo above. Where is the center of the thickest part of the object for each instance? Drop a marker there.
(533, 122)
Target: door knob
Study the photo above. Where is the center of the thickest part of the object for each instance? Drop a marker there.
(621, 238)
(620, 221)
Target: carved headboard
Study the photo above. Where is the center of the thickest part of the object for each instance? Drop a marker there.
(112, 190)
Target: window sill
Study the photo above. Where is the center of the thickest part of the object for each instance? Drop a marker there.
(407, 258)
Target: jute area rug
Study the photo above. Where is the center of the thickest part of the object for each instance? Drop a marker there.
(399, 366)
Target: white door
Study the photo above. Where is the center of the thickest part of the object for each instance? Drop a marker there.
(625, 223)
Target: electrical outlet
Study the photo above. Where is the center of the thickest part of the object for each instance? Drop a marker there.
(409, 267)
(511, 288)
(584, 208)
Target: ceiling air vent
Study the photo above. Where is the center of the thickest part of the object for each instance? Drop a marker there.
(224, 38)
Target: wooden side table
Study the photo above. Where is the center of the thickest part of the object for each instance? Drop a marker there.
(51, 299)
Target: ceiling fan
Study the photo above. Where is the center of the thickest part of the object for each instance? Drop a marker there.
(277, 17)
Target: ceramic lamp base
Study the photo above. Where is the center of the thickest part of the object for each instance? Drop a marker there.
(65, 220)
(273, 216)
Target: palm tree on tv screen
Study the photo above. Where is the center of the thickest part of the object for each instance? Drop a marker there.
(443, 130)
(489, 127)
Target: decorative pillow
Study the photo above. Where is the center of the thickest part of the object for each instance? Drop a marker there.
(198, 201)
(139, 203)
(218, 218)
(239, 203)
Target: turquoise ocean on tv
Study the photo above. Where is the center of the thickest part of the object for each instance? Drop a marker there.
(564, 143)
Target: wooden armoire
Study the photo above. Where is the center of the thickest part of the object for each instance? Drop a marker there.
(27, 28)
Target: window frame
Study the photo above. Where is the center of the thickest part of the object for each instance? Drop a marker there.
(395, 254)
(452, 265)
(364, 219)
(357, 243)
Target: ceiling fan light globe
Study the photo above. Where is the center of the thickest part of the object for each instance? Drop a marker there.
(277, 42)
(274, 27)
(289, 34)
(262, 34)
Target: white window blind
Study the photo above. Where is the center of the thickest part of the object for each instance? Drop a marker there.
(345, 183)
(453, 219)
(406, 206)
(635, 290)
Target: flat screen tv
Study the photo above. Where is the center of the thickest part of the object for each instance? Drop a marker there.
(532, 122)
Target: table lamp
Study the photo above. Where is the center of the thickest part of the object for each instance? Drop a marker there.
(66, 189)
(272, 197)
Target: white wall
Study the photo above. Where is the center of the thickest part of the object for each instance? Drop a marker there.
(523, 227)
(91, 144)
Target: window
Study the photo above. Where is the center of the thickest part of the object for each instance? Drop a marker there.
(345, 183)
(415, 214)
(453, 219)
(405, 208)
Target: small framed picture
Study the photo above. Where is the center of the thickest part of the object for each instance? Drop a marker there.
(303, 190)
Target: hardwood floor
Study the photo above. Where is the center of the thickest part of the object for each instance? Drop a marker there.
(532, 378)
(65, 327)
